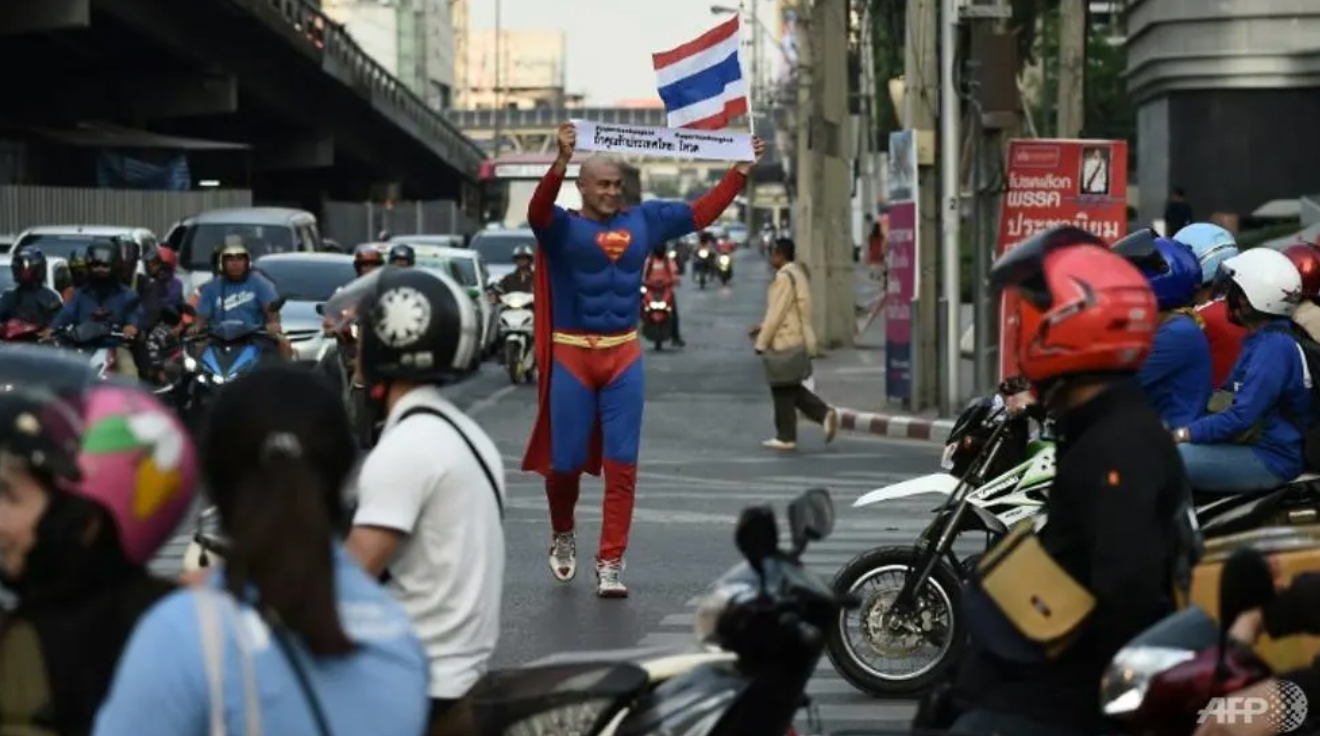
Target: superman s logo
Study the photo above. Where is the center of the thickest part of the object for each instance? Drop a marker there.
(614, 243)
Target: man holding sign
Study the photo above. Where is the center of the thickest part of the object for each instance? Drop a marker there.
(591, 383)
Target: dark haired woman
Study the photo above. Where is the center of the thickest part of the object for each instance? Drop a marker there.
(289, 637)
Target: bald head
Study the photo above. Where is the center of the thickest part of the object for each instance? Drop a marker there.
(600, 181)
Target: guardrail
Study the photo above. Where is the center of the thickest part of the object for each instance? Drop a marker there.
(549, 118)
(343, 58)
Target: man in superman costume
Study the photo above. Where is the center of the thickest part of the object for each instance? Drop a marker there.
(588, 301)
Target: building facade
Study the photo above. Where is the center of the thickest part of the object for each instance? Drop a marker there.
(1225, 93)
(516, 69)
(413, 39)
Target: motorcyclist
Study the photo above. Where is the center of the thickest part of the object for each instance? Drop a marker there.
(77, 276)
(29, 300)
(160, 289)
(403, 256)
(661, 272)
(1176, 374)
(96, 477)
(521, 279)
(106, 299)
(239, 294)
(367, 258)
(1305, 258)
(1253, 437)
(1213, 245)
(433, 487)
(1088, 321)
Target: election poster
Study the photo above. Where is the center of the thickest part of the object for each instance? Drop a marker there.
(1052, 183)
(684, 143)
(900, 264)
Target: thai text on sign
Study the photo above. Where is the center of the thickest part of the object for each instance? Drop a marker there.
(684, 143)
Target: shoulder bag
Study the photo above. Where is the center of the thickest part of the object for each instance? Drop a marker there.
(792, 366)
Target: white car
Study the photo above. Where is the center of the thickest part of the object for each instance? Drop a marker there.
(65, 241)
(57, 273)
(467, 267)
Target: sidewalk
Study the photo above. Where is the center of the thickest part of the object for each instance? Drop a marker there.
(853, 380)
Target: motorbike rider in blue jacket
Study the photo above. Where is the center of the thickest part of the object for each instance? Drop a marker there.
(1176, 374)
(1256, 441)
(105, 298)
(30, 300)
(239, 294)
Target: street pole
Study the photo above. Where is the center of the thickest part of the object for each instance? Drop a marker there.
(950, 148)
(921, 77)
(499, 78)
(1072, 68)
(753, 98)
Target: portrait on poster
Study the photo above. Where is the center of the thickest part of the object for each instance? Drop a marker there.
(1095, 170)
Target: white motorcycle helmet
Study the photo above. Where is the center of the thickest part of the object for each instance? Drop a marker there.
(1268, 280)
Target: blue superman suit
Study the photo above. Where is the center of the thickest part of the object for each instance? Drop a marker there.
(592, 389)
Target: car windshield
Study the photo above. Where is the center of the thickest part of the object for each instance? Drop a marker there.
(63, 246)
(199, 242)
(497, 248)
(465, 270)
(306, 280)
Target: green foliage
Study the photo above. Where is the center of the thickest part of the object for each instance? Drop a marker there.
(1110, 113)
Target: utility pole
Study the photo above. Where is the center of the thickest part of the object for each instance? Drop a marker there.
(499, 78)
(921, 72)
(867, 139)
(754, 97)
(950, 150)
(1072, 68)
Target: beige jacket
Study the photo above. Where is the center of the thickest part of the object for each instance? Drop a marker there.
(787, 325)
(1307, 316)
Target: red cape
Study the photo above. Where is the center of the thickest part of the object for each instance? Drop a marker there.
(537, 457)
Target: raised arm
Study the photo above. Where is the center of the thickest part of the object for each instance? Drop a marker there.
(673, 220)
(542, 214)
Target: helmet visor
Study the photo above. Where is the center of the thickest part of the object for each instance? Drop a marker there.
(1140, 249)
(1023, 267)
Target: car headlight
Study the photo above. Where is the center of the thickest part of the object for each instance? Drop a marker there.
(582, 717)
(189, 364)
(1124, 684)
(707, 618)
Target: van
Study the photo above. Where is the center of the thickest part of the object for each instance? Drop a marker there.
(264, 230)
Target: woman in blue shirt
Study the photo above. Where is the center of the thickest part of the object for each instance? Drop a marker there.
(1252, 440)
(314, 646)
(1176, 374)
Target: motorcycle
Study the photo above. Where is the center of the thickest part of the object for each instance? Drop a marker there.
(703, 266)
(761, 631)
(724, 268)
(925, 609)
(657, 314)
(1171, 677)
(96, 340)
(16, 330)
(232, 349)
(516, 335)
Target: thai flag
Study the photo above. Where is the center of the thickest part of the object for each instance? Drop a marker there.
(701, 82)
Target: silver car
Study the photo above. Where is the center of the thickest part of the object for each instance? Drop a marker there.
(303, 281)
(496, 248)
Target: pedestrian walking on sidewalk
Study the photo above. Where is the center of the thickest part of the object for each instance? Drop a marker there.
(786, 341)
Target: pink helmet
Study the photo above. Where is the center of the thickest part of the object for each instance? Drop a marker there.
(111, 443)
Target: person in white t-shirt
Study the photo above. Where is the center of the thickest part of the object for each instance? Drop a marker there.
(431, 493)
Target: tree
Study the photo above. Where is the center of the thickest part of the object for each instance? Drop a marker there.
(1110, 113)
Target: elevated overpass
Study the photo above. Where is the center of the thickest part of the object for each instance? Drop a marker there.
(533, 131)
(315, 117)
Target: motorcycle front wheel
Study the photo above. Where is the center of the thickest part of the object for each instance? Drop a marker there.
(885, 653)
(513, 362)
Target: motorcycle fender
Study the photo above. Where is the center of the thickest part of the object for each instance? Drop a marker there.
(941, 483)
(983, 521)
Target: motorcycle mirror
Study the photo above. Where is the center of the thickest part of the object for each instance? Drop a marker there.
(810, 518)
(757, 535)
(320, 309)
(278, 304)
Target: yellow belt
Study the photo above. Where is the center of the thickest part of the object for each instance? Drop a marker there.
(593, 342)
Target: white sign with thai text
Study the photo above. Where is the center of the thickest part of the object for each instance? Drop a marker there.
(686, 143)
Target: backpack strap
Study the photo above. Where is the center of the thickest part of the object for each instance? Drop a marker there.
(494, 485)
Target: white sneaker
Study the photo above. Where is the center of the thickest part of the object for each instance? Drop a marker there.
(563, 556)
(775, 443)
(609, 579)
(831, 425)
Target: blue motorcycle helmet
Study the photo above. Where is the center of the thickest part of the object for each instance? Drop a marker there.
(1170, 267)
(1211, 244)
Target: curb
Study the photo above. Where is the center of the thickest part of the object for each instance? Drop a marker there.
(911, 428)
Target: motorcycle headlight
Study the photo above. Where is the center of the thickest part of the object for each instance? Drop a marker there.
(1124, 684)
(703, 253)
(189, 364)
(582, 717)
(643, 289)
(724, 260)
(217, 379)
(658, 305)
(353, 331)
(673, 254)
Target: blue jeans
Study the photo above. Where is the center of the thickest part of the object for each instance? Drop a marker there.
(1227, 469)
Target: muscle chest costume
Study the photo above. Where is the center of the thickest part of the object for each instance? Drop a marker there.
(591, 385)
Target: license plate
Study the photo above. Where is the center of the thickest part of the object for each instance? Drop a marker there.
(946, 461)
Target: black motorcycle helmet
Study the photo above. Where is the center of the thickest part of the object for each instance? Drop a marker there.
(367, 254)
(660, 250)
(103, 255)
(415, 325)
(29, 267)
(402, 255)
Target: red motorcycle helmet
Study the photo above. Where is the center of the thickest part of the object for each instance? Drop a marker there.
(1081, 308)
(1306, 257)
